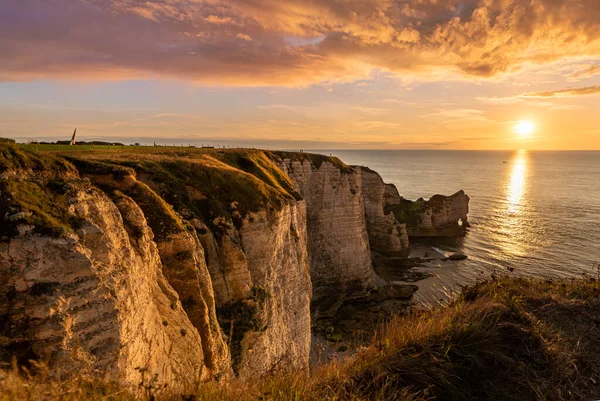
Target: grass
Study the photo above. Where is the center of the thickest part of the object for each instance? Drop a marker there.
(503, 339)
(15, 158)
(314, 158)
(209, 184)
(203, 183)
(407, 211)
(34, 190)
(77, 148)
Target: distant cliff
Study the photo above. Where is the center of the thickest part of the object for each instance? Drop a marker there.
(193, 264)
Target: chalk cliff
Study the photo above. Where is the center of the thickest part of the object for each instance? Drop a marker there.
(249, 234)
(338, 242)
(94, 298)
(177, 267)
(386, 234)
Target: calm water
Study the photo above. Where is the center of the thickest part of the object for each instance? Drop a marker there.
(538, 214)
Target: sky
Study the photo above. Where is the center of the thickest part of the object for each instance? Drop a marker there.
(321, 74)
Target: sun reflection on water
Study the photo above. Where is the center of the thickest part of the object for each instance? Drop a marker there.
(513, 228)
(515, 188)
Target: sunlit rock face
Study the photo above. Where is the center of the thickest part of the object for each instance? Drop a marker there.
(275, 244)
(338, 242)
(262, 285)
(97, 300)
(386, 234)
(254, 271)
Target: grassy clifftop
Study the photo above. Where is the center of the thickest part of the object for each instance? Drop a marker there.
(505, 339)
(34, 190)
(203, 183)
(210, 184)
(206, 183)
(197, 182)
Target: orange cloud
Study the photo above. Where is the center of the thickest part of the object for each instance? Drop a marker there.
(570, 92)
(288, 42)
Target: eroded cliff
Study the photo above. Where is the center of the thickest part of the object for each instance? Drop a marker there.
(164, 264)
(386, 233)
(83, 283)
(249, 233)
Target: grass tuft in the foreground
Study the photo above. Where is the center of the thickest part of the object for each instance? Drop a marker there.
(504, 339)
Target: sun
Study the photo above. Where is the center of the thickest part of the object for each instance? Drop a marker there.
(524, 128)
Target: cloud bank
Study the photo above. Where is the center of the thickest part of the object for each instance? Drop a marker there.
(287, 42)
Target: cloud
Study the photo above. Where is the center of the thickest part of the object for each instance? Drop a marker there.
(288, 42)
(458, 114)
(570, 92)
(530, 97)
(589, 72)
(244, 37)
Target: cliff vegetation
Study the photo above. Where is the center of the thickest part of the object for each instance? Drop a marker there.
(34, 190)
(503, 339)
(204, 183)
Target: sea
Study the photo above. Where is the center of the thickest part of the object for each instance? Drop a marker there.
(532, 213)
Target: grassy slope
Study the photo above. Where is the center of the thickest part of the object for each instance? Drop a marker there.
(205, 183)
(37, 186)
(506, 339)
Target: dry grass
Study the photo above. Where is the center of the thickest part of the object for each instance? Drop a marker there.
(505, 339)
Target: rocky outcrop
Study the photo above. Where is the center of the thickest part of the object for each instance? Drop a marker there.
(338, 243)
(386, 234)
(182, 262)
(257, 263)
(96, 299)
(440, 216)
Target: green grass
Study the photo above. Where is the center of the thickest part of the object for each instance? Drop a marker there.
(205, 183)
(77, 148)
(407, 211)
(15, 158)
(503, 339)
(35, 192)
(202, 183)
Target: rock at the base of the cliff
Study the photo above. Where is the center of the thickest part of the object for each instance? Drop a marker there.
(440, 216)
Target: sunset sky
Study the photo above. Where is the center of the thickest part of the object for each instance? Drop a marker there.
(416, 74)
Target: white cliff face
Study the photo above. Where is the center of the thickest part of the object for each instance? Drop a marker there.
(338, 244)
(386, 234)
(257, 275)
(275, 246)
(262, 285)
(97, 300)
(227, 264)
